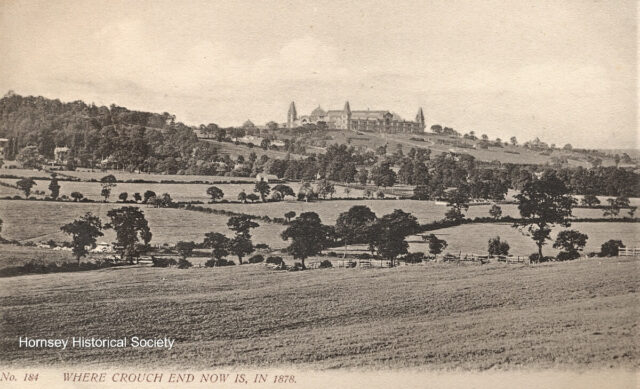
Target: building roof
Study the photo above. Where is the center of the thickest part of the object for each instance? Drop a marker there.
(318, 112)
(374, 115)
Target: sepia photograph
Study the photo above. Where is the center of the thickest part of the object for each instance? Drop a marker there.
(319, 194)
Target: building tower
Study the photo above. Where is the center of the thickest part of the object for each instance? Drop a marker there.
(346, 116)
(292, 115)
(420, 119)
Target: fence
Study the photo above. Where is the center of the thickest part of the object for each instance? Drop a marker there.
(629, 251)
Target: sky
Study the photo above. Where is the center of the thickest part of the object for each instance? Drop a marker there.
(563, 71)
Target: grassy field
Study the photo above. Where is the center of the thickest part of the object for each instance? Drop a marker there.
(178, 192)
(473, 238)
(12, 255)
(40, 221)
(581, 314)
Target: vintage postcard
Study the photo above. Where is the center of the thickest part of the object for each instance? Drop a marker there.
(319, 194)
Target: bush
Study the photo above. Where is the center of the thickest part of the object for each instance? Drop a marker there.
(364, 256)
(567, 255)
(534, 258)
(256, 259)
(296, 267)
(610, 248)
(184, 264)
(275, 260)
(261, 246)
(332, 254)
(498, 247)
(163, 261)
(325, 264)
(413, 258)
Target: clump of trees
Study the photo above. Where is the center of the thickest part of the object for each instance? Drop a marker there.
(308, 236)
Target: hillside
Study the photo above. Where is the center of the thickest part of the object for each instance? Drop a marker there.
(436, 316)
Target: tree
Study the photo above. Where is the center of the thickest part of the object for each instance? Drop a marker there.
(388, 234)
(498, 247)
(306, 192)
(25, 185)
(457, 199)
(241, 224)
(185, 248)
(240, 246)
(611, 248)
(325, 188)
(436, 128)
(262, 187)
(105, 192)
(54, 187)
(362, 176)
(354, 225)
(130, 226)
(568, 147)
(571, 242)
(147, 195)
(543, 203)
(613, 209)
(76, 196)
(84, 232)
(308, 236)
(123, 196)
(289, 215)
(513, 141)
(218, 243)
(436, 245)
(284, 190)
(242, 196)
(30, 158)
(215, 193)
(590, 200)
(252, 197)
(495, 211)
(382, 175)
(137, 197)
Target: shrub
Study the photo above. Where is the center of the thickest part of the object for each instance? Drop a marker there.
(567, 255)
(163, 261)
(275, 260)
(364, 256)
(413, 258)
(610, 248)
(261, 246)
(535, 258)
(218, 262)
(296, 267)
(332, 254)
(325, 264)
(256, 259)
(498, 247)
(184, 264)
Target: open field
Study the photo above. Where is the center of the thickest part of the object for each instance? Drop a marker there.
(12, 255)
(473, 238)
(562, 315)
(425, 211)
(233, 150)
(40, 221)
(178, 192)
(121, 175)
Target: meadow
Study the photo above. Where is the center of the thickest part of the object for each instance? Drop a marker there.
(579, 314)
(40, 221)
(178, 192)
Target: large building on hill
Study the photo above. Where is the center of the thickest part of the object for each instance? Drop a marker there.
(346, 119)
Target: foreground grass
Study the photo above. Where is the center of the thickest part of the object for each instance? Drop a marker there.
(579, 314)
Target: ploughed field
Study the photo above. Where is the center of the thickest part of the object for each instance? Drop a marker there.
(573, 314)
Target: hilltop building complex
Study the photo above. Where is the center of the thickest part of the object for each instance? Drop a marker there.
(346, 119)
